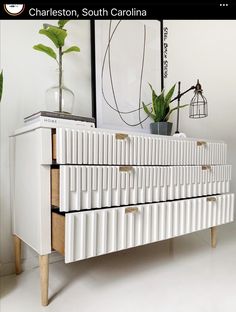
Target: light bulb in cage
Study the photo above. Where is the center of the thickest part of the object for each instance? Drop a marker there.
(198, 104)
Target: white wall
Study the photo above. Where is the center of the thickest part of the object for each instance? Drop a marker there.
(27, 74)
(206, 50)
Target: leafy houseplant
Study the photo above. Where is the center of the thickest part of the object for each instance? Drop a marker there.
(57, 34)
(1, 85)
(161, 111)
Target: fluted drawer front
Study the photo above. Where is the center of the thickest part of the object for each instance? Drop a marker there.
(106, 147)
(86, 187)
(97, 232)
(192, 181)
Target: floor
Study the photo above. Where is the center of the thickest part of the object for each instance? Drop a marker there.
(180, 275)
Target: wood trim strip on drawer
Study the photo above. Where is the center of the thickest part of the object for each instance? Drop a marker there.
(55, 184)
(54, 146)
(58, 233)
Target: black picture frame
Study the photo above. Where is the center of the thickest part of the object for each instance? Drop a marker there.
(93, 70)
(93, 65)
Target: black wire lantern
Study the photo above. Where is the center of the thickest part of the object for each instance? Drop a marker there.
(198, 104)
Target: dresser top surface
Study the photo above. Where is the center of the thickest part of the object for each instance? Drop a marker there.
(38, 125)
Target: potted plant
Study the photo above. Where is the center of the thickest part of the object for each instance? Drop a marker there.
(1, 85)
(160, 111)
(63, 96)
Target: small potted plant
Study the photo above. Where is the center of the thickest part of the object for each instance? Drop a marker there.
(160, 111)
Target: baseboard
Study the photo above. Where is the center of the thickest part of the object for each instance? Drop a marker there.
(27, 264)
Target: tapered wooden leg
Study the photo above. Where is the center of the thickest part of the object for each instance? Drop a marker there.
(17, 247)
(213, 237)
(43, 263)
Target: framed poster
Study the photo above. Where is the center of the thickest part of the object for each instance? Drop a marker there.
(127, 58)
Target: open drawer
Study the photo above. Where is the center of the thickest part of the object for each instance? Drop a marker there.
(107, 147)
(91, 233)
(86, 187)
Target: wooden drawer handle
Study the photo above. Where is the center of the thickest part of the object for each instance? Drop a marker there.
(121, 136)
(206, 167)
(201, 143)
(211, 199)
(125, 168)
(131, 210)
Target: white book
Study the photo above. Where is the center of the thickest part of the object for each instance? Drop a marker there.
(52, 122)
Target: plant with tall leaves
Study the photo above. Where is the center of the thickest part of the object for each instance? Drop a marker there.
(57, 34)
(161, 110)
(1, 85)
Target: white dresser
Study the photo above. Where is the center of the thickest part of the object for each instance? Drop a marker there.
(86, 192)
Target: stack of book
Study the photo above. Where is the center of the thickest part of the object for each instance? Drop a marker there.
(54, 120)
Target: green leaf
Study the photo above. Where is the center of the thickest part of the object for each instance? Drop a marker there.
(61, 23)
(1, 85)
(148, 112)
(154, 95)
(167, 109)
(172, 110)
(160, 106)
(169, 96)
(55, 34)
(72, 49)
(42, 48)
(45, 26)
(50, 35)
(156, 107)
